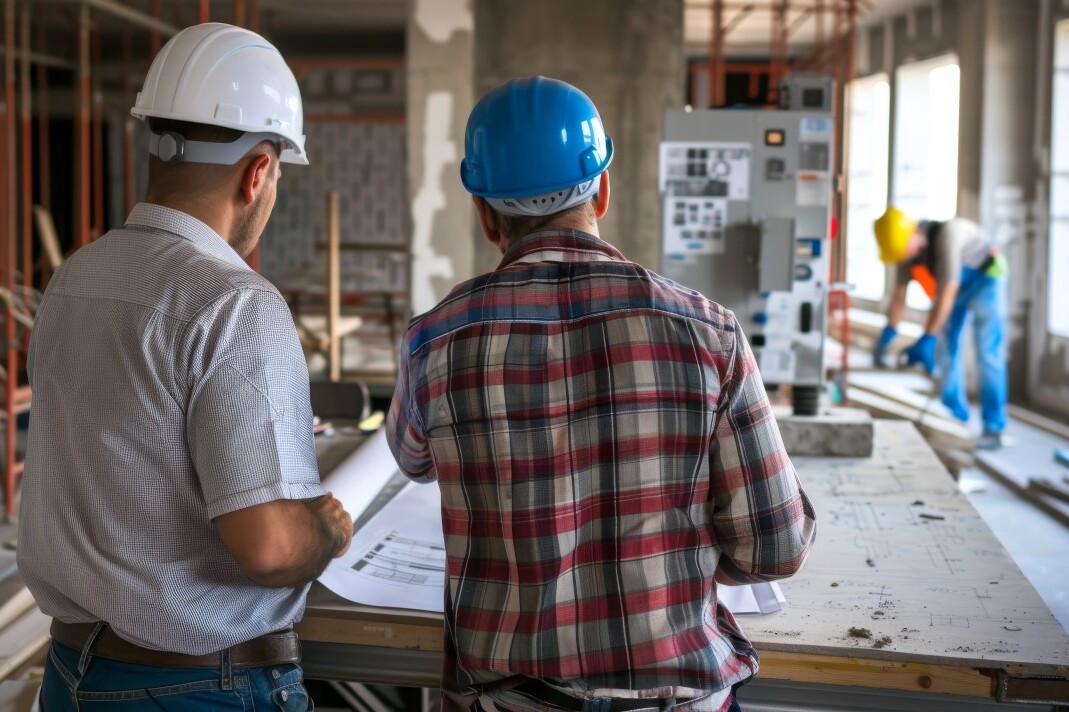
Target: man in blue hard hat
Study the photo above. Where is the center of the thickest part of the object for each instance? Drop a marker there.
(605, 449)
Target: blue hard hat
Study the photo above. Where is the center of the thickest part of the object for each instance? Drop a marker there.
(531, 136)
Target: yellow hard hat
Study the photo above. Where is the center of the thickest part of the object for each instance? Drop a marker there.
(893, 231)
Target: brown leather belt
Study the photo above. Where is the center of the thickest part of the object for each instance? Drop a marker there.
(278, 648)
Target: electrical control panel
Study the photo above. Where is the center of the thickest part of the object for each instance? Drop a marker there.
(746, 211)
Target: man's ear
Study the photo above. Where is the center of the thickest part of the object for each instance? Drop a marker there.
(601, 205)
(255, 177)
(488, 224)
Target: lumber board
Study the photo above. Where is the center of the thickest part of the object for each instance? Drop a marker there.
(22, 640)
(905, 570)
(1049, 488)
(886, 675)
(15, 607)
(46, 233)
(939, 432)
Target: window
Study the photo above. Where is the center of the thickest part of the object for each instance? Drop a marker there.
(869, 139)
(926, 145)
(1058, 257)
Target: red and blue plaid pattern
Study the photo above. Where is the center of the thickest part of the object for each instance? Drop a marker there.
(605, 449)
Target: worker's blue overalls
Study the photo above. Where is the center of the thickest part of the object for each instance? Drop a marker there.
(982, 296)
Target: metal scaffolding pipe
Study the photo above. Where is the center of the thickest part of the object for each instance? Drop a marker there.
(133, 16)
(7, 249)
(96, 162)
(44, 187)
(716, 56)
(82, 140)
(26, 124)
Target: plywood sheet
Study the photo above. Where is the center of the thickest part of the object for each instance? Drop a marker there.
(904, 569)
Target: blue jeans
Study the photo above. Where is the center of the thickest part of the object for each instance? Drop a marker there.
(76, 680)
(983, 299)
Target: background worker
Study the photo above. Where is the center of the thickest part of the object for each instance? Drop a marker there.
(172, 515)
(964, 276)
(604, 446)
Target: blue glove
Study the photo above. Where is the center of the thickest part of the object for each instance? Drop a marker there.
(879, 353)
(922, 352)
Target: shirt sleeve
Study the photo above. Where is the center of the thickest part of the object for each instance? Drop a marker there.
(762, 520)
(249, 419)
(903, 273)
(948, 259)
(404, 428)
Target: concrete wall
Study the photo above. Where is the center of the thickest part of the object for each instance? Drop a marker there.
(439, 47)
(1048, 372)
(628, 56)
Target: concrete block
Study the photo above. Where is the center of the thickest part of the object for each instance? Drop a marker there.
(832, 432)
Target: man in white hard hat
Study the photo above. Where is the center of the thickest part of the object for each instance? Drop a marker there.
(604, 446)
(172, 516)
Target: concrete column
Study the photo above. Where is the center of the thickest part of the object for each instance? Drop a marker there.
(439, 46)
(969, 45)
(1008, 171)
(628, 56)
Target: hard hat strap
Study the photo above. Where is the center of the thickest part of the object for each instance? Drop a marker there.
(173, 148)
(548, 203)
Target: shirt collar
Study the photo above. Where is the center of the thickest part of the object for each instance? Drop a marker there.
(560, 246)
(186, 226)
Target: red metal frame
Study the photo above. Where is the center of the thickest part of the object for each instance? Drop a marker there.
(82, 141)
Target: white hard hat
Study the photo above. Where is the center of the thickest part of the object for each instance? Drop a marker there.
(221, 75)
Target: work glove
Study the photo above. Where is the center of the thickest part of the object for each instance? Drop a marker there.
(922, 352)
(879, 353)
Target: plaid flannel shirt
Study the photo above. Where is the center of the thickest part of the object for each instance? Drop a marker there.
(605, 450)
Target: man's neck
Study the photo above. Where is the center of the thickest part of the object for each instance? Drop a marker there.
(215, 217)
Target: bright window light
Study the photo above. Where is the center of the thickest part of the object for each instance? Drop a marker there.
(926, 145)
(867, 156)
(1058, 252)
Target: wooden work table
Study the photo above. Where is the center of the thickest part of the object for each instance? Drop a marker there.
(906, 590)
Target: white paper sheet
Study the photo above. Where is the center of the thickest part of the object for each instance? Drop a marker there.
(362, 475)
(397, 559)
(754, 598)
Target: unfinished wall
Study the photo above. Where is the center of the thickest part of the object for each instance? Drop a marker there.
(439, 47)
(355, 138)
(628, 56)
(1048, 372)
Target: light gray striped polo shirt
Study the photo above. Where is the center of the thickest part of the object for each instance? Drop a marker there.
(169, 387)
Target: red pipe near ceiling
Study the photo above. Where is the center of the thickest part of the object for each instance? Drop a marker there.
(716, 56)
(97, 133)
(8, 240)
(26, 122)
(82, 141)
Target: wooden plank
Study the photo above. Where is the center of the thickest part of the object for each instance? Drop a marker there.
(1049, 488)
(46, 233)
(15, 607)
(24, 638)
(911, 677)
(905, 570)
(1049, 507)
(1036, 420)
(937, 431)
(333, 287)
